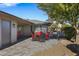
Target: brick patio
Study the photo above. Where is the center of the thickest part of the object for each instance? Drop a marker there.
(27, 47)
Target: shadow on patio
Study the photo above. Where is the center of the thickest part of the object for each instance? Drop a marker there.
(18, 40)
(74, 48)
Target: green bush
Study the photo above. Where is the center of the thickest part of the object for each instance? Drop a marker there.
(69, 32)
(66, 25)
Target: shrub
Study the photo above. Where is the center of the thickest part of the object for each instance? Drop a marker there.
(69, 32)
(66, 25)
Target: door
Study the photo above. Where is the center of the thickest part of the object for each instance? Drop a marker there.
(6, 32)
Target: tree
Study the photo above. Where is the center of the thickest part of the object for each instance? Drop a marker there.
(62, 12)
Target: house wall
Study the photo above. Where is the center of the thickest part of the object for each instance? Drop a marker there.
(44, 28)
(33, 28)
(38, 27)
(13, 31)
(5, 16)
(15, 21)
(27, 30)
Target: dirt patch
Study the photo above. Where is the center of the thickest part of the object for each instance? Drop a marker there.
(59, 49)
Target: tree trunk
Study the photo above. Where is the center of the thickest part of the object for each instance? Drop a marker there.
(74, 25)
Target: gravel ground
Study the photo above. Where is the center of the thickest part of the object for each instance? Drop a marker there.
(27, 47)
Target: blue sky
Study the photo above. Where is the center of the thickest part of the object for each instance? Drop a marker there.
(24, 10)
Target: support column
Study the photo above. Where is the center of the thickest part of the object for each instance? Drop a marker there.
(13, 32)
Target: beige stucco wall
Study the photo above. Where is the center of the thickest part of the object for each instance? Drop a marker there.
(13, 32)
(43, 28)
(0, 33)
(13, 19)
(27, 30)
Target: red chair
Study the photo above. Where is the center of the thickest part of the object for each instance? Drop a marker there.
(47, 36)
(39, 34)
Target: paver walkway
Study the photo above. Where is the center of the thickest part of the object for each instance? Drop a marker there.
(27, 47)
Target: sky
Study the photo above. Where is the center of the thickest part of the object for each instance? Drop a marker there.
(24, 10)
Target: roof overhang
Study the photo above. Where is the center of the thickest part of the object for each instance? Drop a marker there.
(7, 16)
(38, 22)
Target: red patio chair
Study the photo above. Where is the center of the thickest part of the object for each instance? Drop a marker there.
(47, 36)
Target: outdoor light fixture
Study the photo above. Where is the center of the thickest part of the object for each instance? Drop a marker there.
(13, 25)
